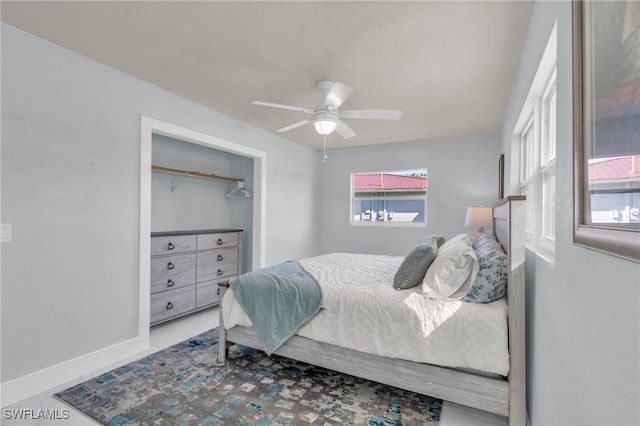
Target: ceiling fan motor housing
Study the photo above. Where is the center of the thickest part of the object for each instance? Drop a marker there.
(325, 114)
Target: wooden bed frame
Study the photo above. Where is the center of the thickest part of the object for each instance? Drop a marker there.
(504, 395)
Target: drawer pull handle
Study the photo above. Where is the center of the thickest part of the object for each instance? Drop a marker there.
(170, 283)
(170, 246)
(170, 265)
(220, 257)
(220, 242)
(169, 305)
(220, 272)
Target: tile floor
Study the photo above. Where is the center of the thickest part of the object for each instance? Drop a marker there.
(173, 332)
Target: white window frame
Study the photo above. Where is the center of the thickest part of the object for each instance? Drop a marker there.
(376, 224)
(537, 166)
(547, 168)
(527, 176)
(549, 116)
(534, 138)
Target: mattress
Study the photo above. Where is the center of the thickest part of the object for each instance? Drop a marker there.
(363, 312)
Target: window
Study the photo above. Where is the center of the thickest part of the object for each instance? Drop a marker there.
(527, 181)
(606, 130)
(548, 164)
(389, 198)
(535, 140)
(537, 167)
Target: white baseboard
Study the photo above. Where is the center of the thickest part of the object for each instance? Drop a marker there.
(48, 378)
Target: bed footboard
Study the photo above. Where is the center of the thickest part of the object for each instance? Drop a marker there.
(484, 393)
(465, 388)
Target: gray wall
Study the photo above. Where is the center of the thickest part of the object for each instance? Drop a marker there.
(461, 173)
(186, 203)
(70, 179)
(583, 310)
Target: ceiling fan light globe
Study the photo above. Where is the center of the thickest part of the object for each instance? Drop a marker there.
(325, 127)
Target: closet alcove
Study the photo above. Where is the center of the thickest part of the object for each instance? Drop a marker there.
(190, 187)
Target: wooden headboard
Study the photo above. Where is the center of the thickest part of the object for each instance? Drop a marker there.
(508, 225)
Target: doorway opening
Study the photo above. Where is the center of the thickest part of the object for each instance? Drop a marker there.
(150, 127)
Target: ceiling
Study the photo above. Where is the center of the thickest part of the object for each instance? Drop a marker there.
(448, 65)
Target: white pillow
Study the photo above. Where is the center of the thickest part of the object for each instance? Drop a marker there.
(453, 271)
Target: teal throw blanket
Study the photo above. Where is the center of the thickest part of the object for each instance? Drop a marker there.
(278, 300)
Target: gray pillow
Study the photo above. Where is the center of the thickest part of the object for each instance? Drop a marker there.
(413, 268)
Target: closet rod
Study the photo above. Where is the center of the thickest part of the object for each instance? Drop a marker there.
(188, 173)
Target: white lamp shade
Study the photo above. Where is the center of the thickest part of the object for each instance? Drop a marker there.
(478, 216)
(325, 127)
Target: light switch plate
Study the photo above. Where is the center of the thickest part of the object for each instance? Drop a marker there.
(5, 232)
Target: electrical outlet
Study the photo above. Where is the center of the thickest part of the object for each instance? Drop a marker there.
(5, 232)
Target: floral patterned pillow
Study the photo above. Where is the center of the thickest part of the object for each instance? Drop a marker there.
(491, 281)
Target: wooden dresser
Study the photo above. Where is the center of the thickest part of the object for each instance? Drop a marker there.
(186, 267)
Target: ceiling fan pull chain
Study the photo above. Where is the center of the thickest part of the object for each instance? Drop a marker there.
(324, 148)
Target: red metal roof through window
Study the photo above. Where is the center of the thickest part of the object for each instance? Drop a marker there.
(615, 168)
(388, 182)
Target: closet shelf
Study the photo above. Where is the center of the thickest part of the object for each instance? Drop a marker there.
(189, 173)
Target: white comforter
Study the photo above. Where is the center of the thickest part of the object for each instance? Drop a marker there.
(363, 312)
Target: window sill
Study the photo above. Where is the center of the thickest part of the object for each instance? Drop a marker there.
(543, 253)
(389, 224)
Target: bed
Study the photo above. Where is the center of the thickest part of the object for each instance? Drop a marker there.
(489, 374)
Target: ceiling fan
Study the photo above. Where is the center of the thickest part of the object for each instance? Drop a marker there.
(326, 117)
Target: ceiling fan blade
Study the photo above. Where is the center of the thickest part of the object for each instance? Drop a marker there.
(345, 131)
(294, 125)
(337, 93)
(371, 114)
(289, 107)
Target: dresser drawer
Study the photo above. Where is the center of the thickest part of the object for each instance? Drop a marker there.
(212, 241)
(214, 264)
(208, 292)
(186, 268)
(172, 303)
(172, 244)
(170, 272)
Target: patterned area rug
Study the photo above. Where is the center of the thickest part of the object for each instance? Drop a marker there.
(180, 386)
